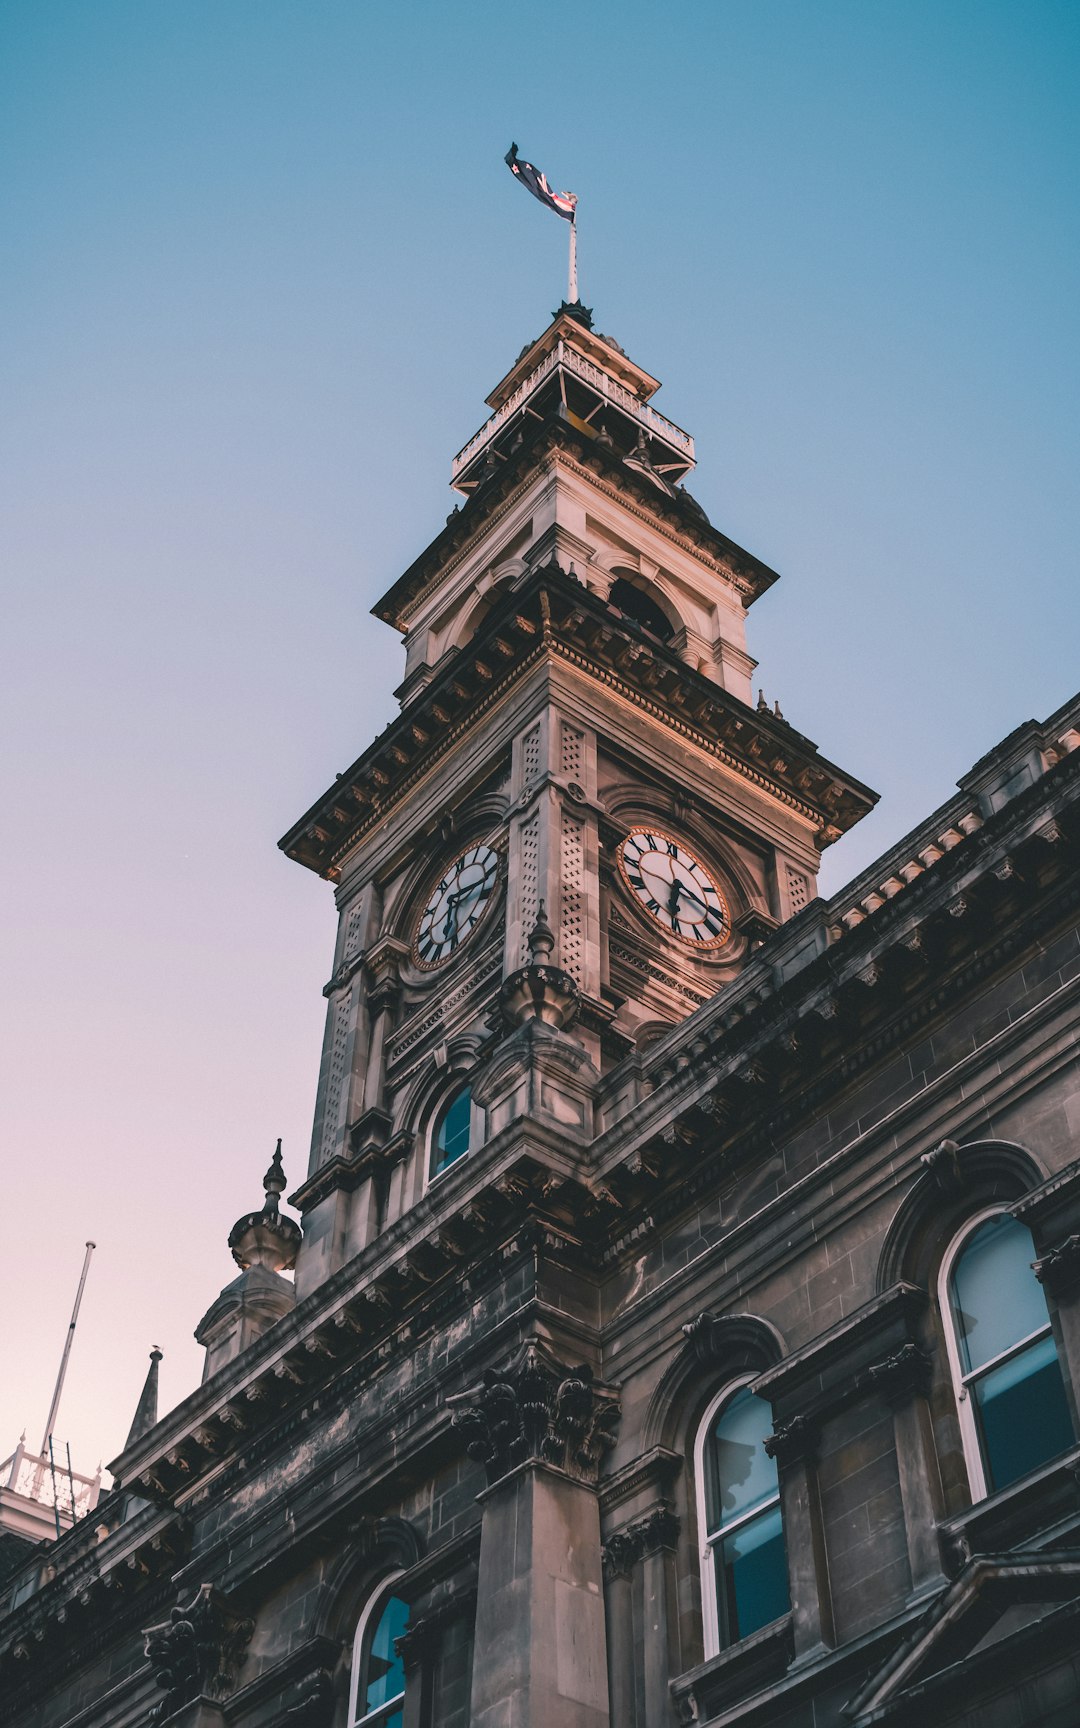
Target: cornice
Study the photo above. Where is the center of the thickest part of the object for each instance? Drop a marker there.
(552, 614)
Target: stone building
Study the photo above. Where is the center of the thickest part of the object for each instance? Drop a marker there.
(686, 1315)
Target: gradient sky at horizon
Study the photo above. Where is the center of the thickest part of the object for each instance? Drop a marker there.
(264, 262)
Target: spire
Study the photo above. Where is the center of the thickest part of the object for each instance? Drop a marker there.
(146, 1409)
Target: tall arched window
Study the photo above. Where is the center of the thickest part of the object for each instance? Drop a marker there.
(377, 1687)
(1010, 1397)
(744, 1579)
(452, 1135)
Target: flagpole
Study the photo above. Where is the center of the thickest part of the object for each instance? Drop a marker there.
(572, 293)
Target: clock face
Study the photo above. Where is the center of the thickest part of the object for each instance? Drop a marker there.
(456, 905)
(675, 888)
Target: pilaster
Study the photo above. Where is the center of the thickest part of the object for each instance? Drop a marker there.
(541, 1430)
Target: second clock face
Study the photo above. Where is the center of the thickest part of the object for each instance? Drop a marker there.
(456, 905)
(676, 889)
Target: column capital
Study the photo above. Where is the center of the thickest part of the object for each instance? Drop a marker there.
(537, 1409)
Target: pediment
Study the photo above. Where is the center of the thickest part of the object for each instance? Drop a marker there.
(995, 1597)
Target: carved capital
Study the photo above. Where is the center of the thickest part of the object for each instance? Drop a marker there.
(1059, 1267)
(620, 1554)
(623, 1549)
(198, 1650)
(537, 1409)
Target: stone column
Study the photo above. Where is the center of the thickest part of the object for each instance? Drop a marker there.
(540, 1429)
(902, 1379)
(620, 1558)
(657, 1536)
(794, 1446)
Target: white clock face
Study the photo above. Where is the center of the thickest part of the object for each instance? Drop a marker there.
(456, 905)
(675, 888)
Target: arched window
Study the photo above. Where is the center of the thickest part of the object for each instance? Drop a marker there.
(641, 608)
(1010, 1396)
(452, 1135)
(377, 1687)
(744, 1579)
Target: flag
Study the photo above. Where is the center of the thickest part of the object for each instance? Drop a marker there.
(563, 203)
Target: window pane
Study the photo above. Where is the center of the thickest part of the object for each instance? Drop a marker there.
(739, 1474)
(752, 1582)
(997, 1299)
(452, 1138)
(1022, 1413)
(384, 1676)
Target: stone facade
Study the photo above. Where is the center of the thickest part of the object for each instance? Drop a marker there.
(629, 1358)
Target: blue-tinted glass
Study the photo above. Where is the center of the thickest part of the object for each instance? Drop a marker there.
(997, 1299)
(452, 1137)
(739, 1474)
(752, 1581)
(384, 1676)
(1022, 1413)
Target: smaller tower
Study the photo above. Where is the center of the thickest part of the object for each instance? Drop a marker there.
(264, 1245)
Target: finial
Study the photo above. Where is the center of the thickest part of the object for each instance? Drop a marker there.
(762, 705)
(274, 1183)
(541, 939)
(776, 711)
(267, 1238)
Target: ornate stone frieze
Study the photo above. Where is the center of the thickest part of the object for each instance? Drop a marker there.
(537, 1409)
(198, 1650)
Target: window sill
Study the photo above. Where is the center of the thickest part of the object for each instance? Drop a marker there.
(746, 1667)
(1037, 1505)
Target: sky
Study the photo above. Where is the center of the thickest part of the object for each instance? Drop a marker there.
(263, 262)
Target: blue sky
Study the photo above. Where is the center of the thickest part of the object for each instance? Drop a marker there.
(263, 263)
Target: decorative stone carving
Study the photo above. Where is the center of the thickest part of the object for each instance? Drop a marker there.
(198, 1650)
(792, 1440)
(539, 990)
(1059, 1267)
(266, 1238)
(315, 1704)
(702, 1335)
(537, 1409)
(900, 1375)
(620, 1554)
(943, 1163)
(624, 1548)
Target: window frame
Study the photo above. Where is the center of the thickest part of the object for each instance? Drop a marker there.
(962, 1381)
(373, 1607)
(439, 1116)
(711, 1607)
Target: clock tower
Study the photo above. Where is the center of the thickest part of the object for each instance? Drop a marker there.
(580, 824)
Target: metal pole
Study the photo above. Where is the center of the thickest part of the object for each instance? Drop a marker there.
(55, 1494)
(572, 293)
(55, 1405)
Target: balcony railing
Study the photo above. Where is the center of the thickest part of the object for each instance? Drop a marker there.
(50, 1484)
(598, 380)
